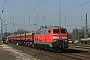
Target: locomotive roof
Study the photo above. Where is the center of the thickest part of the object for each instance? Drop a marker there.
(51, 27)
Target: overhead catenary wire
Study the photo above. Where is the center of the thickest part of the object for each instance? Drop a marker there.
(1, 18)
(29, 8)
(3, 8)
(73, 8)
(76, 6)
(61, 12)
(21, 6)
(81, 17)
(54, 14)
(49, 12)
(70, 9)
(33, 9)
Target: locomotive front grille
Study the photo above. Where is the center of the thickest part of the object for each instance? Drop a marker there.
(60, 44)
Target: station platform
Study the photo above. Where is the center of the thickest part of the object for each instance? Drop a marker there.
(8, 53)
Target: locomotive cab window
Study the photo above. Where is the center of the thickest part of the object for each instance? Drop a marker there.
(56, 31)
(38, 32)
(47, 31)
(43, 32)
(63, 30)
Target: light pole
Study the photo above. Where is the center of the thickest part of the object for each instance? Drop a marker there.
(24, 26)
(5, 30)
(36, 19)
(29, 21)
(59, 12)
(86, 30)
(1, 27)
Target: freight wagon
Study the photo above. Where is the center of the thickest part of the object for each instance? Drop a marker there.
(22, 39)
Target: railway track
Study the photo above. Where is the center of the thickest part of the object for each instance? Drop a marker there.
(46, 55)
(77, 56)
(82, 55)
(84, 47)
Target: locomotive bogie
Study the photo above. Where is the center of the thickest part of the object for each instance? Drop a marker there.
(62, 45)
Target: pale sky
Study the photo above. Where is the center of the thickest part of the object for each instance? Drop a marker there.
(22, 14)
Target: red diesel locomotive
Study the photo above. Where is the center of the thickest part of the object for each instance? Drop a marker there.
(47, 38)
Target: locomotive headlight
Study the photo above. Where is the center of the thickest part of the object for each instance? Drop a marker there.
(54, 40)
(55, 37)
(64, 37)
(66, 40)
